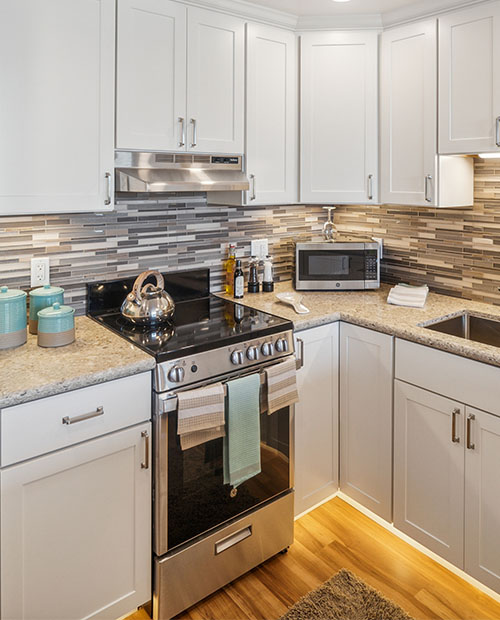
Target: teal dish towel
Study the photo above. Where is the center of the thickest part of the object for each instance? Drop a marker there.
(242, 440)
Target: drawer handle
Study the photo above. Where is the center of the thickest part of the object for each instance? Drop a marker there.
(233, 539)
(454, 414)
(470, 418)
(85, 416)
(145, 463)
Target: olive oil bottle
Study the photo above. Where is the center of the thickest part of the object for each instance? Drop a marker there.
(230, 267)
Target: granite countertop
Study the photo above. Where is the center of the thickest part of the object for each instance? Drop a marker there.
(370, 309)
(30, 372)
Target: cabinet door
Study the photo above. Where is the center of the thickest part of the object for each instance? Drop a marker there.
(271, 115)
(429, 470)
(339, 117)
(482, 498)
(76, 531)
(57, 105)
(469, 80)
(151, 75)
(408, 91)
(316, 418)
(216, 86)
(366, 418)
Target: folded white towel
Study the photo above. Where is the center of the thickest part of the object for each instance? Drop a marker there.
(200, 415)
(410, 296)
(282, 385)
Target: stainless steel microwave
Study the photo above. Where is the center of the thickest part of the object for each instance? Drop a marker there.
(337, 265)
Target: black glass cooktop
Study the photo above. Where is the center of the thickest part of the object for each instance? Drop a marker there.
(198, 324)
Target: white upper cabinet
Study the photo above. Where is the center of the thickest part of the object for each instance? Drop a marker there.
(180, 78)
(151, 75)
(57, 105)
(411, 171)
(408, 95)
(271, 128)
(469, 80)
(339, 117)
(215, 82)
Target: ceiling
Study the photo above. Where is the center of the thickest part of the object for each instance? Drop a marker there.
(327, 7)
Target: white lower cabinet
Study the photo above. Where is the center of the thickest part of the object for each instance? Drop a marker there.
(76, 530)
(429, 470)
(366, 418)
(316, 418)
(482, 497)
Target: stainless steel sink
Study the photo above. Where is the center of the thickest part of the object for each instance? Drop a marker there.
(470, 327)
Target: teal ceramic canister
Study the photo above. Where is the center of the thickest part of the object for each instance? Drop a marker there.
(56, 326)
(12, 317)
(41, 298)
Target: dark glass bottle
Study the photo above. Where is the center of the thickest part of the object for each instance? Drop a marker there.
(239, 281)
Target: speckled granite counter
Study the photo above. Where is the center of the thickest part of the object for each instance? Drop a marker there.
(97, 355)
(370, 309)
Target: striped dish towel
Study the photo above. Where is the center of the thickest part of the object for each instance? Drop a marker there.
(200, 415)
(281, 385)
(406, 295)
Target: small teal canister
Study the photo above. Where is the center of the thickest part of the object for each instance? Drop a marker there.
(41, 298)
(12, 318)
(56, 326)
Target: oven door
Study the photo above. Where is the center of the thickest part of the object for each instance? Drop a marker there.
(323, 265)
(190, 497)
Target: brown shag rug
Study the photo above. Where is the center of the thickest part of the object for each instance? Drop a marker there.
(345, 597)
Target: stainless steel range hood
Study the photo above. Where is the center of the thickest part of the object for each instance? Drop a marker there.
(178, 172)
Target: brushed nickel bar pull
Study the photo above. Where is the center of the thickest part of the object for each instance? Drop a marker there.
(145, 463)
(370, 187)
(454, 414)
(232, 539)
(107, 200)
(182, 141)
(428, 196)
(300, 361)
(470, 418)
(85, 416)
(498, 131)
(195, 132)
(252, 178)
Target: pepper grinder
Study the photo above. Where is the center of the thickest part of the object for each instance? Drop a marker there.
(268, 281)
(329, 230)
(253, 277)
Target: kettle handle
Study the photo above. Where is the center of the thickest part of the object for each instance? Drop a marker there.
(137, 288)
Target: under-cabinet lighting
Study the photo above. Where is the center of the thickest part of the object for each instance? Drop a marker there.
(489, 155)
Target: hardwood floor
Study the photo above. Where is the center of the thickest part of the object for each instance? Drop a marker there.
(336, 536)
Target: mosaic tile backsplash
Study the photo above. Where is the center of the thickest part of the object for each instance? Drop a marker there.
(454, 251)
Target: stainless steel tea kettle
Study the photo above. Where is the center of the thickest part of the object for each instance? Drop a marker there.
(148, 305)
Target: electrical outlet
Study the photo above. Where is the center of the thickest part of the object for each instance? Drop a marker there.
(40, 271)
(259, 248)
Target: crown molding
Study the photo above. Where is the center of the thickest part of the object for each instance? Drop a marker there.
(424, 8)
(340, 22)
(420, 9)
(247, 10)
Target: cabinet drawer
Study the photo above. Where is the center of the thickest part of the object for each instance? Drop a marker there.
(52, 423)
(462, 379)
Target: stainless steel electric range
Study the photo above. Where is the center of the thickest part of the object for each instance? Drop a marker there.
(206, 533)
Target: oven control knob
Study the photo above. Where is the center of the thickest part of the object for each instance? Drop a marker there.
(267, 349)
(282, 345)
(237, 358)
(176, 374)
(253, 353)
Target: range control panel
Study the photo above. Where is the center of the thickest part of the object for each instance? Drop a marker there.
(222, 361)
